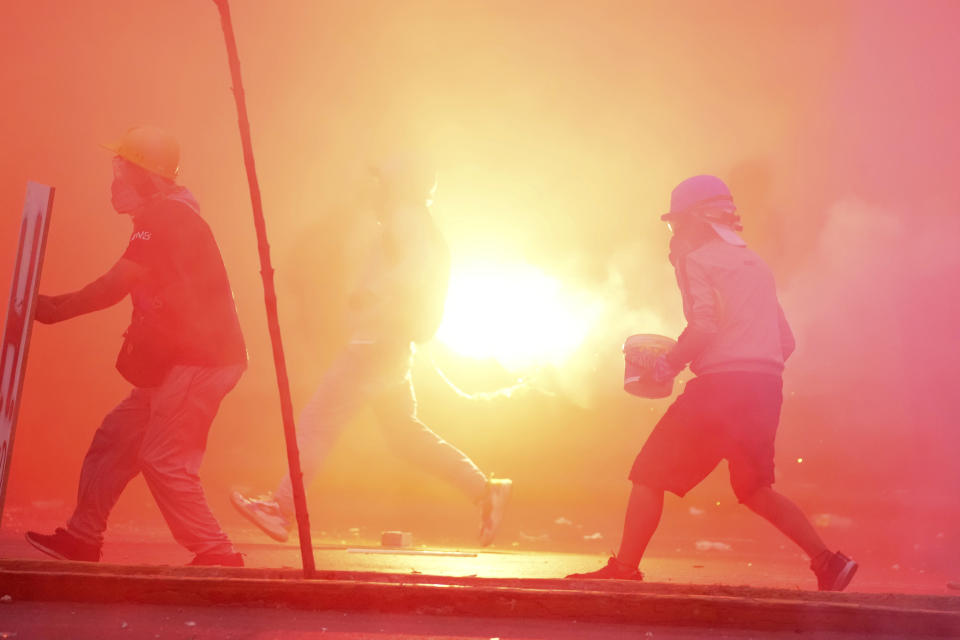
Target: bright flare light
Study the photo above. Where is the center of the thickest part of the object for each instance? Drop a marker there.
(513, 313)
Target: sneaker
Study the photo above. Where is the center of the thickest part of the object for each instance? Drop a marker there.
(217, 559)
(263, 512)
(63, 545)
(834, 571)
(615, 570)
(492, 506)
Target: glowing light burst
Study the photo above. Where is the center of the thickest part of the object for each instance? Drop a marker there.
(513, 313)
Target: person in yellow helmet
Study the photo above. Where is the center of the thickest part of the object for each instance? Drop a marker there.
(736, 342)
(183, 352)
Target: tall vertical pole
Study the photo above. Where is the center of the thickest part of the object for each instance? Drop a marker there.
(270, 297)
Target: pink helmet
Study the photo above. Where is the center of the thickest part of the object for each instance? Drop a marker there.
(708, 198)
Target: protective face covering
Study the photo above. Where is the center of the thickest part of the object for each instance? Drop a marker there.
(124, 196)
(130, 184)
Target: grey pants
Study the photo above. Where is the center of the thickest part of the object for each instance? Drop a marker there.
(376, 375)
(162, 433)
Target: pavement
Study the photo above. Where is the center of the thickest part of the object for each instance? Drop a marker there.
(365, 579)
(88, 621)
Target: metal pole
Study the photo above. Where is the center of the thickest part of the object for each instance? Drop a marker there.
(270, 297)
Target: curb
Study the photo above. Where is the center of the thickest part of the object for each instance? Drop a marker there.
(587, 604)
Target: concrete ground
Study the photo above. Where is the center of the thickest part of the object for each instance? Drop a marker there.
(84, 621)
(365, 591)
(785, 570)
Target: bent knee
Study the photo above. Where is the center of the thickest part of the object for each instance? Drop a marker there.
(167, 465)
(754, 496)
(647, 485)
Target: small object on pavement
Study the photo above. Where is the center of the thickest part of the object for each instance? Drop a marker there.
(641, 352)
(396, 539)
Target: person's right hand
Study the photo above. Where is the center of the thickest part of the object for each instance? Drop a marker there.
(663, 370)
(46, 310)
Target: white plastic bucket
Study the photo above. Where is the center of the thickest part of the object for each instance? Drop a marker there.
(640, 352)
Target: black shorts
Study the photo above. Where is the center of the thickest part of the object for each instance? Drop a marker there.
(720, 415)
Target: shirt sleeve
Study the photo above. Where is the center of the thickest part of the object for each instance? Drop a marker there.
(700, 305)
(700, 309)
(144, 246)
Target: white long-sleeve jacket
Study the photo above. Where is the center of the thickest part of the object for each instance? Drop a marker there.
(402, 291)
(729, 294)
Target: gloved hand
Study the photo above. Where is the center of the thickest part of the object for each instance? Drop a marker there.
(663, 370)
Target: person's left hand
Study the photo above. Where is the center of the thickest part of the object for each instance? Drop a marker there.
(46, 310)
(663, 370)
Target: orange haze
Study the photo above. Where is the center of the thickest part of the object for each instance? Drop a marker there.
(559, 130)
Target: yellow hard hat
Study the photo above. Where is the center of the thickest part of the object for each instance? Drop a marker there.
(151, 148)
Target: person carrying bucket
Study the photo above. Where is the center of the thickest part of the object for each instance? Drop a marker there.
(399, 302)
(736, 341)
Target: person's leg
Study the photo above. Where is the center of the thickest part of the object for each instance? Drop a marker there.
(396, 411)
(644, 509)
(345, 387)
(181, 412)
(680, 452)
(786, 516)
(342, 392)
(110, 463)
(750, 425)
(751, 432)
(833, 569)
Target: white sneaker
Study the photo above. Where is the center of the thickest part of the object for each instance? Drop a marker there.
(264, 512)
(492, 506)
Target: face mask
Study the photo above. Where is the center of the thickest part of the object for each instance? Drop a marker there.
(124, 197)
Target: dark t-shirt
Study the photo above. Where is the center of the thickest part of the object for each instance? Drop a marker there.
(186, 289)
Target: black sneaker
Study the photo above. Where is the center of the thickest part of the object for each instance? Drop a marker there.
(64, 546)
(834, 571)
(217, 559)
(614, 570)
